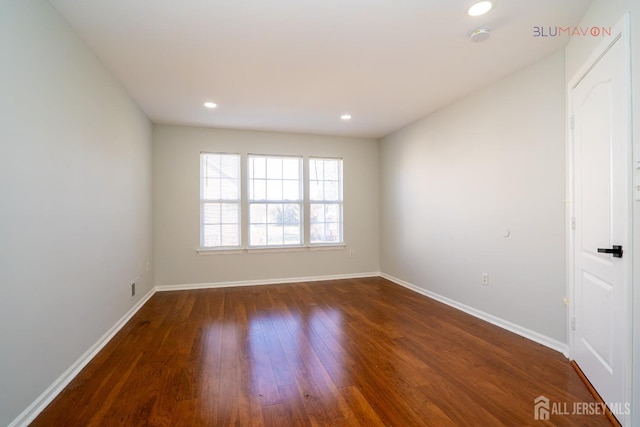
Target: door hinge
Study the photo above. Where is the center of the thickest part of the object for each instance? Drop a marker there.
(572, 122)
(573, 323)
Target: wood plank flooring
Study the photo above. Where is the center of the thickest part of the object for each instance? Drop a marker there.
(361, 352)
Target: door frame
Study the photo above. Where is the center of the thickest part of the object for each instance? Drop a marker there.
(619, 31)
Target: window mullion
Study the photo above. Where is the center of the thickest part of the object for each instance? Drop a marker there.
(306, 203)
(244, 202)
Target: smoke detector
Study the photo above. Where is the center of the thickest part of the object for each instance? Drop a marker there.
(480, 34)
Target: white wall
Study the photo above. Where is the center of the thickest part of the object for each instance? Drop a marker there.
(75, 201)
(454, 180)
(176, 207)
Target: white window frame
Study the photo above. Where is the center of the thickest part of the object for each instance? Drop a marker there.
(255, 198)
(204, 201)
(244, 203)
(339, 202)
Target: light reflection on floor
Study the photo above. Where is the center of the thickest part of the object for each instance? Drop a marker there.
(282, 346)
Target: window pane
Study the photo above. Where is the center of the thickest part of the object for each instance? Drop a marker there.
(221, 224)
(316, 190)
(316, 169)
(258, 189)
(292, 235)
(331, 190)
(230, 235)
(332, 213)
(275, 234)
(316, 213)
(211, 213)
(274, 168)
(258, 235)
(211, 188)
(212, 166)
(333, 233)
(229, 213)
(317, 233)
(291, 214)
(211, 235)
(291, 168)
(258, 213)
(229, 166)
(274, 190)
(325, 233)
(220, 178)
(291, 190)
(274, 214)
(257, 167)
(331, 170)
(229, 189)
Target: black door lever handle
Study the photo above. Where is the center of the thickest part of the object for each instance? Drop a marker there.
(616, 251)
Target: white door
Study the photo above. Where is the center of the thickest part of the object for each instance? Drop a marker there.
(601, 150)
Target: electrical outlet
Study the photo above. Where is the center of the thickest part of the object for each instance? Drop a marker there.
(352, 253)
(133, 289)
(485, 278)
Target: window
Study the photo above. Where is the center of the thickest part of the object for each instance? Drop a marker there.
(275, 201)
(220, 200)
(325, 197)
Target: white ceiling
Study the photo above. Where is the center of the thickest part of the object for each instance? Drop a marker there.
(297, 65)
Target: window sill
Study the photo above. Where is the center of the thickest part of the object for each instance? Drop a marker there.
(220, 251)
(327, 246)
(232, 251)
(259, 249)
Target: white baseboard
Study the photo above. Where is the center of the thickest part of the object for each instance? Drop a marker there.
(505, 324)
(184, 287)
(29, 414)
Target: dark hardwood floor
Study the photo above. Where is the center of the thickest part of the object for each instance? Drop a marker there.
(362, 352)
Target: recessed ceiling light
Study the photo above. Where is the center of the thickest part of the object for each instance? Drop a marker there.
(210, 104)
(345, 117)
(480, 8)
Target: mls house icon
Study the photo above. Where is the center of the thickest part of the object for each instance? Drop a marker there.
(541, 408)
